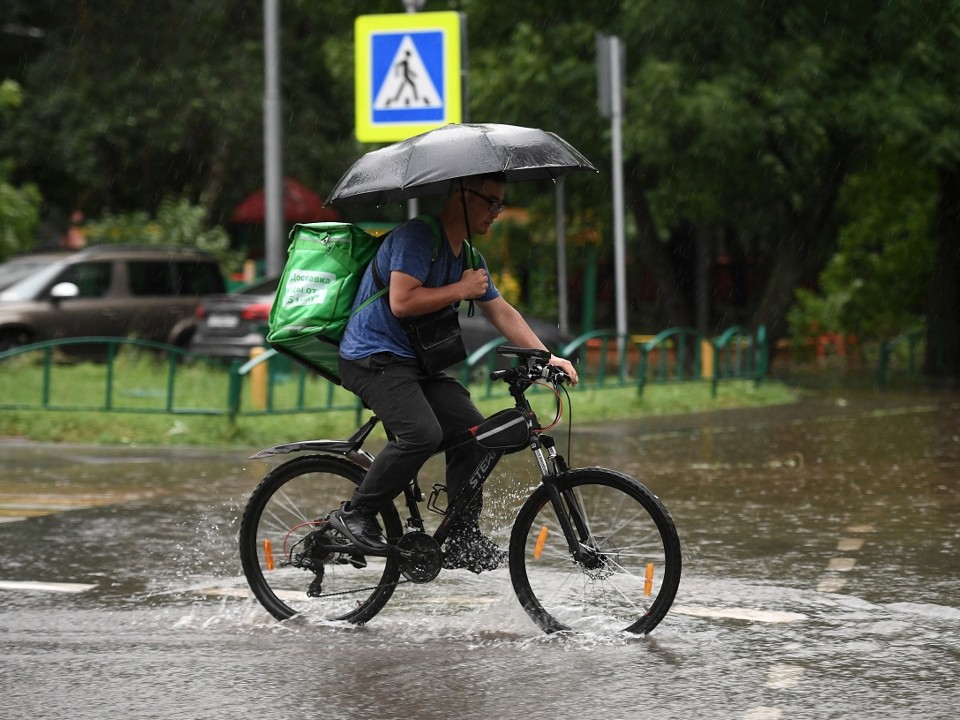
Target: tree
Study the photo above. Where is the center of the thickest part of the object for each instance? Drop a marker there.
(910, 104)
(875, 286)
(126, 107)
(19, 206)
(737, 135)
(741, 132)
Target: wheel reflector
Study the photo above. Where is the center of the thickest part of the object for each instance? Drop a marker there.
(268, 553)
(648, 580)
(541, 539)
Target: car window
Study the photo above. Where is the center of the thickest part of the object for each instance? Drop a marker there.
(198, 278)
(30, 284)
(150, 278)
(12, 272)
(92, 278)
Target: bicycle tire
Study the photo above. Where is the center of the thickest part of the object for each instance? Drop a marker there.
(288, 508)
(630, 531)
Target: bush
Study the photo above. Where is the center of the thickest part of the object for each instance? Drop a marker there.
(19, 206)
(178, 223)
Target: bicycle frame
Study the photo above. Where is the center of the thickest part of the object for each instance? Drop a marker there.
(543, 446)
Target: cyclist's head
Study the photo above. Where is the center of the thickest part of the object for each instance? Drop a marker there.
(483, 194)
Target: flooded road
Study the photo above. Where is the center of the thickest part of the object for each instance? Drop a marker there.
(820, 581)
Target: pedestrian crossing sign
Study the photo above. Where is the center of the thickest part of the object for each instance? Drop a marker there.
(408, 74)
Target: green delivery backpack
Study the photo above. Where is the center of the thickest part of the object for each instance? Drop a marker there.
(314, 301)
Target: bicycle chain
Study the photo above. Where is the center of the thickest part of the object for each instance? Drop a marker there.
(366, 589)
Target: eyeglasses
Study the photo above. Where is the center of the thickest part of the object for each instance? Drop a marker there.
(494, 204)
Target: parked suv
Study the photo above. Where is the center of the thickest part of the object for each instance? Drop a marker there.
(105, 290)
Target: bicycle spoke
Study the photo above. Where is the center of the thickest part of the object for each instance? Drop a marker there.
(629, 538)
(317, 578)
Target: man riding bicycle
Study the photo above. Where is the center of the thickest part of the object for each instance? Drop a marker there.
(418, 407)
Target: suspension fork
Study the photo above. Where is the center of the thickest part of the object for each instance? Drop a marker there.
(565, 503)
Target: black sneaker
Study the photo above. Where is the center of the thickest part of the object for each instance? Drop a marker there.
(361, 526)
(469, 549)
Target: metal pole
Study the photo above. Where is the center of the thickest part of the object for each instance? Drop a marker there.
(412, 6)
(564, 322)
(619, 240)
(272, 140)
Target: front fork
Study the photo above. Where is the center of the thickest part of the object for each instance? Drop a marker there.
(566, 503)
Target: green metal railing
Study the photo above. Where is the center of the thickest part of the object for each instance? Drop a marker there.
(913, 341)
(738, 354)
(64, 353)
(685, 355)
(147, 377)
(678, 357)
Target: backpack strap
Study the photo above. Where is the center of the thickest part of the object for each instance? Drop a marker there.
(434, 225)
(469, 262)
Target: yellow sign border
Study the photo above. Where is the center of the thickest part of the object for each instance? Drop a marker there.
(449, 23)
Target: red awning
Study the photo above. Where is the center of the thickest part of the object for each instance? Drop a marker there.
(300, 204)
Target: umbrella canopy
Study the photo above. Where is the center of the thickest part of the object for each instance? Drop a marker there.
(300, 204)
(426, 164)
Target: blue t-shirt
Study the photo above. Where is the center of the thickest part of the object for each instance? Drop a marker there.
(409, 249)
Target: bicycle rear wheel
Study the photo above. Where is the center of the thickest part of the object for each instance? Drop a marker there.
(293, 563)
(631, 570)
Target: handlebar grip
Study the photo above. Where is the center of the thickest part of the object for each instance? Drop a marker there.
(561, 377)
(499, 374)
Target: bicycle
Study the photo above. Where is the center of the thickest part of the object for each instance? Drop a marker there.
(591, 549)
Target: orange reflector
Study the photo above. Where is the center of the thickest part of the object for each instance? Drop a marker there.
(541, 539)
(268, 553)
(648, 580)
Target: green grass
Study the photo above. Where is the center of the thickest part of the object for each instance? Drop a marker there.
(140, 395)
(261, 431)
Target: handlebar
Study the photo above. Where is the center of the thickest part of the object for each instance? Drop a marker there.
(534, 366)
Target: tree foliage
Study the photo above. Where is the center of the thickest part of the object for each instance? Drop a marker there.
(19, 206)
(176, 222)
(875, 285)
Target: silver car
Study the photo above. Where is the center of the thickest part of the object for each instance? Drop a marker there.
(105, 290)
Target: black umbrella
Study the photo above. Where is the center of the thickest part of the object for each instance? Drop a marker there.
(424, 165)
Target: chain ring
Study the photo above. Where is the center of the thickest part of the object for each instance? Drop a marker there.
(420, 558)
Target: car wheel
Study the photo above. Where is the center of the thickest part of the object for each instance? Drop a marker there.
(13, 337)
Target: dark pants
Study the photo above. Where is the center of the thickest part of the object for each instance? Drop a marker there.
(419, 412)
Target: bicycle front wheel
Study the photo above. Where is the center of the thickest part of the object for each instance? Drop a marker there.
(628, 571)
(294, 564)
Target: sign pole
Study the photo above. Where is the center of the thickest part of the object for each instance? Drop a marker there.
(619, 233)
(559, 202)
(413, 205)
(610, 81)
(272, 142)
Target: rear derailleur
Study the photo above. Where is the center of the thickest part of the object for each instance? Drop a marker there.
(320, 547)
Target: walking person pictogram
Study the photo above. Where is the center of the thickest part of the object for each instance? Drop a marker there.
(403, 68)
